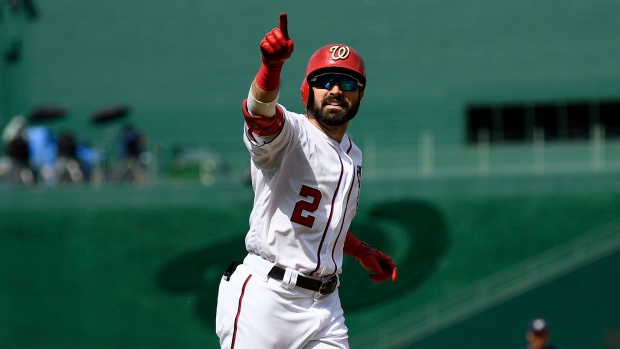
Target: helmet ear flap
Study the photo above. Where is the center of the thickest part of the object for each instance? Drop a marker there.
(305, 93)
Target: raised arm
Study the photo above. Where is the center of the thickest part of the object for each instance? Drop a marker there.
(276, 47)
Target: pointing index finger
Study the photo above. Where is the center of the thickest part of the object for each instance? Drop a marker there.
(284, 25)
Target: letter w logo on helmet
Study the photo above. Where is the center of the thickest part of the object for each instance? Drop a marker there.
(339, 52)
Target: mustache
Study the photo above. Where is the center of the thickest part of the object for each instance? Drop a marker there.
(332, 99)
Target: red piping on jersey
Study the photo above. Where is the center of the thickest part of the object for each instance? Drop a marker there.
(239, 312)
(346, 206)
(331, 214)
(345, 210)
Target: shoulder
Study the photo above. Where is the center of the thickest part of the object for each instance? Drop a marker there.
(291, 114)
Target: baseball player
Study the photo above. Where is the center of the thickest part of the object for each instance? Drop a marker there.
(306, 176)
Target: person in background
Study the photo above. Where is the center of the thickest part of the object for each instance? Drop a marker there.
(18, 151)
(131, 167)
(538, 335)
(43, 149)
(68, 168)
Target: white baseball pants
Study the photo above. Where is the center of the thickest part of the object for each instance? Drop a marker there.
(258, 312)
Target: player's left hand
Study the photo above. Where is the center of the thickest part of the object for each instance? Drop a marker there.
(380, 264)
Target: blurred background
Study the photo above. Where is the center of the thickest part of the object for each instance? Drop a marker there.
(491, 139)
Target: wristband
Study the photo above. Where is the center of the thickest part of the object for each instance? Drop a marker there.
(256, 107)
(268, 77)
(362, 243)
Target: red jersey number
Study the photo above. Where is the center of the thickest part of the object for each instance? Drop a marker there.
(314, 196)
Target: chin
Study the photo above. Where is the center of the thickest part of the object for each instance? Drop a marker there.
(332, 117)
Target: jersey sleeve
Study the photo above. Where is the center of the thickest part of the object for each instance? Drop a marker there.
(268, 137)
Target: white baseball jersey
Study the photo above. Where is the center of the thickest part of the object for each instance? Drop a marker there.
(306, 188)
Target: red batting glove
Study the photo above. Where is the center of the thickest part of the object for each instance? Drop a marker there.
(380, 264)
(276, 48)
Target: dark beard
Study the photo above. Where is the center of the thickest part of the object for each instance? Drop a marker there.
(332, 117)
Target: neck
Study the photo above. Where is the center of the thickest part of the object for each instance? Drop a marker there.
(334, 132)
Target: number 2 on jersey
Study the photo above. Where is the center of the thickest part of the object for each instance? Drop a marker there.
(309, 206)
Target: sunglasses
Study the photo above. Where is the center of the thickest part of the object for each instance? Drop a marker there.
(327, 81)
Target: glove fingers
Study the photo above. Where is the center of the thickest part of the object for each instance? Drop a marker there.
(388, 269)
(391, 273)
(379, 278)
(291, 45)
(372, 265)
(389, 266)
(266, 48)
(279, 37)
(283, 25)
(273, 41)
(394, 275)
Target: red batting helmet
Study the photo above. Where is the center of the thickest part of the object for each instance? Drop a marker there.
(334, 57)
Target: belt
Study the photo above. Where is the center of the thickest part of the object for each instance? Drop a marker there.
(322, 287)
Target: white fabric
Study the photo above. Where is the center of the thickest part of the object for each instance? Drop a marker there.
(261, 314)
(258, 266)
(302, 158)
(256, 107)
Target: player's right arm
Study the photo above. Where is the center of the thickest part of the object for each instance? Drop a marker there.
(276, 47)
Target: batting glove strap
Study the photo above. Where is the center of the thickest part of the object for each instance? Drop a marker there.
(268, 78)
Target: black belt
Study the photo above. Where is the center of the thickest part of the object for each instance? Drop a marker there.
(322, 287)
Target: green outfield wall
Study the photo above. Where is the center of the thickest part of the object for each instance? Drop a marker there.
(133, 267)
(581, 308)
